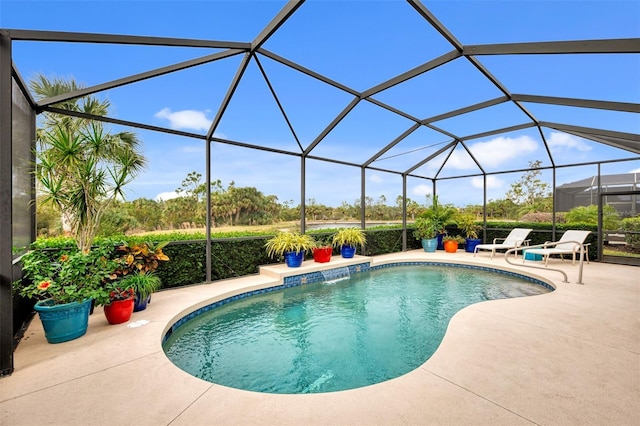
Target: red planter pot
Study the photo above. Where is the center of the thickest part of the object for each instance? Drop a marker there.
(119, 311)
(322, 254)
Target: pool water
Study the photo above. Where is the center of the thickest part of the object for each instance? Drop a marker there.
(344, 334)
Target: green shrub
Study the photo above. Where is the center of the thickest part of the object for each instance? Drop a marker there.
(632, 224)
(589, 215)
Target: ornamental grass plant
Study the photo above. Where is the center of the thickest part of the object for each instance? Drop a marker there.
(352, 237)
(293, 242)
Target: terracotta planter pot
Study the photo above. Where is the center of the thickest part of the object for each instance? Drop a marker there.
(450, 246)
(119, 311)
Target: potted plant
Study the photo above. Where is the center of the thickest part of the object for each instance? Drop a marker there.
(290, 245)
(439, 216)
(426, 230)
(348, 239)
(65, 287)
(139, 261)
(451, 243)
(143, 285)
(120, 302)
(469, 227)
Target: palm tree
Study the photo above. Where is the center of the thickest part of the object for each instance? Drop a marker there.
(81, 167)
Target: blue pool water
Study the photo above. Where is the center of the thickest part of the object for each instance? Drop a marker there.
(343, 334)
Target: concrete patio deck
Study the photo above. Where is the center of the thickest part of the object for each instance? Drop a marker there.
(570, 357)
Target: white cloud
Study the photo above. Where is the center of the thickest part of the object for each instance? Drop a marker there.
(460, 160)
(492, 182)
(635, 171)
(565, 141)
(421, 190)
(164, 196)
(376, 179)
(497, 152)
(186, 119)
(198, 149)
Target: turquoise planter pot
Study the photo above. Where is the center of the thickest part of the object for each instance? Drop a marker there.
(429, 244)
(63, 322)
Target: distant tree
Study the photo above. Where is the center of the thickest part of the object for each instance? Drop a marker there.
(48, 219)
(192, 190)
(179, 211)
(116, 220)
(288, 211)
(530, 191)
(312, 209)
(412, 208)
(148, 213)
(502, 209)
(474, 209)
(193, 187)
(380, 211)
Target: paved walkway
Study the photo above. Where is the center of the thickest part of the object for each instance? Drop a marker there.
(570, 357)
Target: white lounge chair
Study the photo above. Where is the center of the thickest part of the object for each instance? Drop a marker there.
(569, 243)
(516, 238)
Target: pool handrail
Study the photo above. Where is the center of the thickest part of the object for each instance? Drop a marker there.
(546, 245)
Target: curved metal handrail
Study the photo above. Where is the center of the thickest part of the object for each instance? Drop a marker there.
(547, 245)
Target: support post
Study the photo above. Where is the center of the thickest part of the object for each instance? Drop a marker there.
(6, 204)
(404, 212)
(303, 185)
(363, 205)
(208, 218)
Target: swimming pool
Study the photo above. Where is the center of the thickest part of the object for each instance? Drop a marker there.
(342, 334)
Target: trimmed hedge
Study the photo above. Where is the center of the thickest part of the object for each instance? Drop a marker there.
(238, 256)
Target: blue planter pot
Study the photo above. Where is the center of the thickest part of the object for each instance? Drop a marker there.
(429, 244)
(141, 304)
(440, 243)
(63, 322)
(347, 251)
(293, 260)
(471, 244)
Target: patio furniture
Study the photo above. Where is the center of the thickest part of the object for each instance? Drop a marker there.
(569, 243)
(516, 238)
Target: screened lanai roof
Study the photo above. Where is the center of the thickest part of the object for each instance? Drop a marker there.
(429, 90)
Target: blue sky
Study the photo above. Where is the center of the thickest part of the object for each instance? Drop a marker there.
(358, 44)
